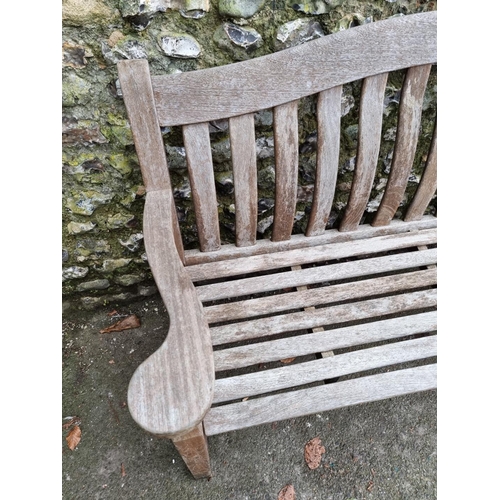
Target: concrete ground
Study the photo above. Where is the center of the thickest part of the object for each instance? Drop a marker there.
(383, 450)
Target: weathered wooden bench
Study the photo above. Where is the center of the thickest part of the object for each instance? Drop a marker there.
(364, 295)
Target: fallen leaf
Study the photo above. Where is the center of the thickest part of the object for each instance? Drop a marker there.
(73, 437)
(114, 312)
(287, 493)
(313, 452)
(127, 323)
(370, 486)
(123, 471)
(287, 360)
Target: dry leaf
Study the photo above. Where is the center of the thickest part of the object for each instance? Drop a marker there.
(123, 471)
(73, 437)
(287, 493)
(370, 486)
(313, 452)
(127, 323)
(287, 360)
(114, 312)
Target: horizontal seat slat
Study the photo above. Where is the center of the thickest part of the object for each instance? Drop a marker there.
(261, 247)
(286, 377)
(317, 296)
(320, 253)
(326, 397)
(304, 320)
(328, 340)
(312, 275)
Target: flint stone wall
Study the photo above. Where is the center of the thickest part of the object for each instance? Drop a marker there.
(103, 256)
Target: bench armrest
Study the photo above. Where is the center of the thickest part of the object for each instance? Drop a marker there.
(172, 390)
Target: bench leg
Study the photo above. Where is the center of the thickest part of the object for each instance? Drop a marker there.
(193, 448)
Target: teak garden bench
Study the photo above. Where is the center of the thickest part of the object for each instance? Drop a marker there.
(363, 295)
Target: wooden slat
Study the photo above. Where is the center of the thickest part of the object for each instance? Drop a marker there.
(327, 159)
(172, 389)
(291, 74)
(318, 399)
(135, 82)
(318, 296)
(410, 111)
(201, 177)
(242, 137)
(304, 320)
(262, 247)
(427, 186)
(286, 153)
(312, 275)
(306, 256)
(285, 377)
(369, 136)
(338, 338)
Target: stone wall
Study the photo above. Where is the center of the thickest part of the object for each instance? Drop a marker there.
(103, 252)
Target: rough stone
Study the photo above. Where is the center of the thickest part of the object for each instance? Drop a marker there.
(176, 156)
(93, 285)
(243, 37)
(238, 42)
(90, 247)
(137, 7)
(119, 220)
(264, 147)
(125, 48)
(82, 12)
(297, 32)
(133, 243)
(129, 279)
(74, 272)
(180, 45)
(85, 202)
(110, 265)
(315, 7)
(80, 227)
(75, 90)
(240, 8)
(73, 55)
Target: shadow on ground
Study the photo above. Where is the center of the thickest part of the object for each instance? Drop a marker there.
(383, 450)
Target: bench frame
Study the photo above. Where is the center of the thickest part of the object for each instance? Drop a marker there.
(387, 306)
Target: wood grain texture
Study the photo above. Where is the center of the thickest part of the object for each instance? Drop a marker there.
(201, 178)
(262, 247)
(309, 276)
(326, 397)
(193, 448)
(244, 159)
(286, 377)
(317, 296)
(172, 390)
(319, 253)
(135, 82)
(303, 320)
(427, 186)
(369, 137)
(332, 339)
(286, 153)
(327, 159)
(336, 59)
(410, 112)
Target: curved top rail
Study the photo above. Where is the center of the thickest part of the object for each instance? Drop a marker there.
(265, 82)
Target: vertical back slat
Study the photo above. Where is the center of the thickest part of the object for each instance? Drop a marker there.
(369, 136)
(286, 149)
(201, 177)
(327, 159)
(410, 112)
(244, 157)
(135, 81)
(427, 186)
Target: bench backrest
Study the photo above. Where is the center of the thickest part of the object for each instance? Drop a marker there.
(278, 81)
